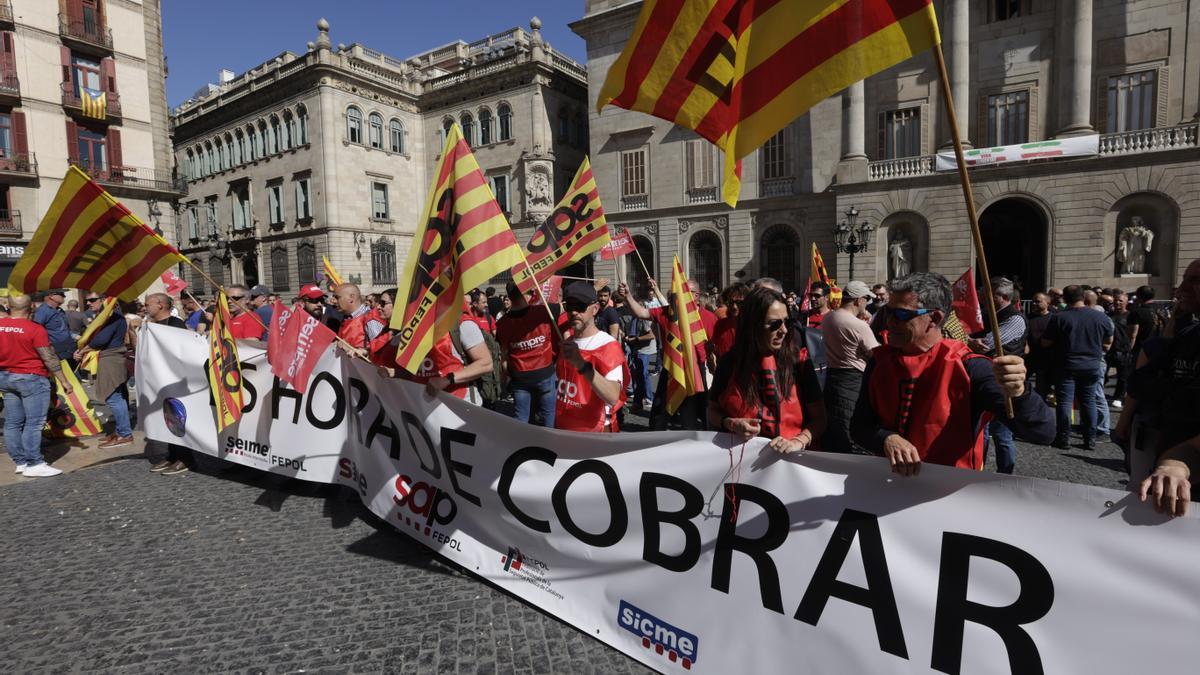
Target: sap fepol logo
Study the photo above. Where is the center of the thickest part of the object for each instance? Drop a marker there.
(679, 646)
(175, 415)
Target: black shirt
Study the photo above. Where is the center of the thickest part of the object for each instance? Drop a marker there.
(1121, 344)
(606, 317)
(807, 385)
(1079, 335)
(1144, 318)
(173, 322)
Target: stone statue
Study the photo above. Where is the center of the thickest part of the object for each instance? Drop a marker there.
(1134, 242)
(539, 189)
(900, 256)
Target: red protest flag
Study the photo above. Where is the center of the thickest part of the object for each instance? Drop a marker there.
(552, 289)
(620, 245)
(295, 342)
(174, 284)
(966, 302)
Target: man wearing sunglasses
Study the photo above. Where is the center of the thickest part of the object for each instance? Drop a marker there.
(926, 398)
(243, 325)
(111, 371)
(818, 302)
(591, 369)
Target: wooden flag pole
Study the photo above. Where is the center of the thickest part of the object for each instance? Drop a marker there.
(968, 195)
(650, 279)
(545, 302)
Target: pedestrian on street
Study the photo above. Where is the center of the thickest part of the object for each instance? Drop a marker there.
(243, 325)
(529, 348)
(50, 315)
(362, 324)
(1038, 359)
(26, 362)
(111, 372)
(848, 346)
(923, 394)
(446, 368)
(879, 299)
(692, 412)
(1080, 336)
(76, 321)
(384, 345)
(1120, 357)
(313, 299)
(810, 341)
(165, 458)
(591, 369)
(725, 330)
(1014, 335)
(194, 308)
(818, 301)
(762, 386)
(260, 302)
(640, 348)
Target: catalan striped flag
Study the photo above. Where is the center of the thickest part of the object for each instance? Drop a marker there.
(97, 322)
(464, 241)
(575, 229)
(738, 71)
(90, 240)
(224, 368)
(69, 416)
(817, 272)
(331, 274)
(93, 103)
(683, 334)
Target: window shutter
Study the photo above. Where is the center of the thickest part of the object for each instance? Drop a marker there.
(72, 142)
(1162, 102)
(1101, 94)
(65, 53)
(20, 137)
(8, 54)
(881, 137)
(108, 71)
(75, 10)
(114, 148)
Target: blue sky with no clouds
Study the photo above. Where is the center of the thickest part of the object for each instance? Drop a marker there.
(203, 36)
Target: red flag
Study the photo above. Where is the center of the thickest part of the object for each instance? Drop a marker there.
(966, 302)
(295, 342)
(552, 289)
(621, 244)
(175, 285)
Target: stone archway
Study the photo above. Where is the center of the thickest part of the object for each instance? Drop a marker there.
(1016, 240)
(705, 258)
(779, 253)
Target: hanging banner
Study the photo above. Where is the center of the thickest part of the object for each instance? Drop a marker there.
(1073, 146)
(692, 553)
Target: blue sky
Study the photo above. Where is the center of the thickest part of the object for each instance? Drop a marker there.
(202, 36)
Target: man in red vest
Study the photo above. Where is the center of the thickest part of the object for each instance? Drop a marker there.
(362, 324)
(926, 398)
(591, 370)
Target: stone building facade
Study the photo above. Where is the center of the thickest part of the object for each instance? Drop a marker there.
(1021, 71)
(50, 52)
(330, 152)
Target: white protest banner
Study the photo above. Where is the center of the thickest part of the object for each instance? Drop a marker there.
(654, 544)
(1073, 146)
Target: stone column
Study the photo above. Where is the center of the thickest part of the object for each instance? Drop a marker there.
(853, 166)
(958, 56)
(1076, 58)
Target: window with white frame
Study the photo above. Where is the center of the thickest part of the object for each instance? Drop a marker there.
(274, 137)
(900, 133)
(700, 159)
(485, 126)
(379, 201)
(303, 199)
(354, 125)
(1131, 100)
(500, 190)
(376, 131)
(633, 172)
(504, 115)
(396, 136)
(1008, 118)
(275, 203)
(776, 156)
(287, 131)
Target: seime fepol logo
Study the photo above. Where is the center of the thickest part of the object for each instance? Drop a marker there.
(679, 646)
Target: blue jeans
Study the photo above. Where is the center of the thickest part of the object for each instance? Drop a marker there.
(642, 387)
(1006, 449)
(540, 393)
(26, 402)
(120, 409)
(1102, 411)
(1065, 386)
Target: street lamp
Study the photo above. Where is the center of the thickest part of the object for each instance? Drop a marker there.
(852, 237)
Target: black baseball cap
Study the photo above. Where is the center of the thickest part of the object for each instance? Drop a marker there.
(259, 290)
(581, 291)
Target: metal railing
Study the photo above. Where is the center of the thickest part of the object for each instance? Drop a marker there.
(10, 223)
(903, 167)
(23, 163)
(1150, 140)
(135, 177)
(635, 202)
(777, 187)
(72, 99)
(10, 85)
(92, 32)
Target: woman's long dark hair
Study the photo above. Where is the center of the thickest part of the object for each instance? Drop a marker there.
(747, 357)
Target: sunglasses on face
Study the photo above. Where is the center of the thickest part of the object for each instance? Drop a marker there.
(775, 325)
(574, 306)
(909, 314)
(93, 299)
(237, 297)
(816, 296)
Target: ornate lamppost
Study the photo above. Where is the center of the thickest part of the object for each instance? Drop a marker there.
(852, 237)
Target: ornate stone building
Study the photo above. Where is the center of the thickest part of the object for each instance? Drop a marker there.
(330, 152)
(52, 55)
(1119, 74)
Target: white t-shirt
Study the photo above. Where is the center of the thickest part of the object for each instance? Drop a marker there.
(588, 344)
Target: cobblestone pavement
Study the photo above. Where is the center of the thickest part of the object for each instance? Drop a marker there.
(112, 568)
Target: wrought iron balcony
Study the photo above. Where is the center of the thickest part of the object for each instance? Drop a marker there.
(10, 223)
(23, 165)
(10, 87)
(134, 180)
(72, 100)
(90, 33)
(635, 202)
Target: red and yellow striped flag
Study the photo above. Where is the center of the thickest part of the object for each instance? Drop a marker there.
(224, 368)
(683, 335)
(738, 71)
(464, 241)
(70, 417)
(817, 272)
(90, 240)
(331, 274)
(97, 322)
(575, 229)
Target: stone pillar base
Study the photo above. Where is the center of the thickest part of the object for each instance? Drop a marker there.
(1075, 130)
(852, 170)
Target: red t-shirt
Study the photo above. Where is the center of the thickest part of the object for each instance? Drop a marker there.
(528, 336)
(723, 335)
(815, 318)
(245, 326)
(19, 340)
(485, 323)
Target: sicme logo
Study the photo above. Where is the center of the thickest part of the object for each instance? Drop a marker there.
(678, 645)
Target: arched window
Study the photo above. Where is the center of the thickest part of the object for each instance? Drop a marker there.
(208, 159)
(468, 128)
(189, 166)
(445, 132)
(383, 261)
(306, 263)
(564, 126)
(779, 253)
(279, 268)
(262, 139)
(239, 148)
(201, 159)
(229, 162)
(289, 128)
(396, 135)
(219, 151)
(485, 126)
(376, 124)
(301, 124)
(251, 143)
(505, 114)
(275, 135)
(354, 125)
(704, 258)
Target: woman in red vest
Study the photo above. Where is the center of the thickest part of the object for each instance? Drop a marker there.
(762, 387)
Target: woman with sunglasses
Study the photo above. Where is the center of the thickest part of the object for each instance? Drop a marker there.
(762, 387)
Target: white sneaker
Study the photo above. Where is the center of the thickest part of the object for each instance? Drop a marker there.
(21, 468)
(1117, 405)
(42, 470)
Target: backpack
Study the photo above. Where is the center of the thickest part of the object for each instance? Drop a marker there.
(489, 384)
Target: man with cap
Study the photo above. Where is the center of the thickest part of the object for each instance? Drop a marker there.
(591, 368)
(260, 302)
(50, 315)
(848, 346)
(313, 299)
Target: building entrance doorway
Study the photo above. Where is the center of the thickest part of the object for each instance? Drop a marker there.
(1014, 238)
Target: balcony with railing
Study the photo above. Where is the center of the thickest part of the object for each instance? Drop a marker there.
(702, 195)
(14, 165)
(73, 101)
(635, 202)
(903, 167)
(90, 34)
(10, 223)
(10, 88)
(777, 187)
(135, 181)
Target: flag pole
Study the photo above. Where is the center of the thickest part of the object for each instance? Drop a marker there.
(972, 215)
(545, 302)
(649, 279)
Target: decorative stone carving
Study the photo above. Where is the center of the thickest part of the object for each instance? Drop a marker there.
(684, 225)
(900, 256)
(722, 222)
(1134, 242)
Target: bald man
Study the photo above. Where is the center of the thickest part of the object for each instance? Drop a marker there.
(362, 324)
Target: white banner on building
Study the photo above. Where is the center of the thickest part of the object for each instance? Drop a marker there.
(1074, 146)
(652, 543)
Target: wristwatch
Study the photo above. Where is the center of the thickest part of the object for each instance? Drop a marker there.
(450, 377)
